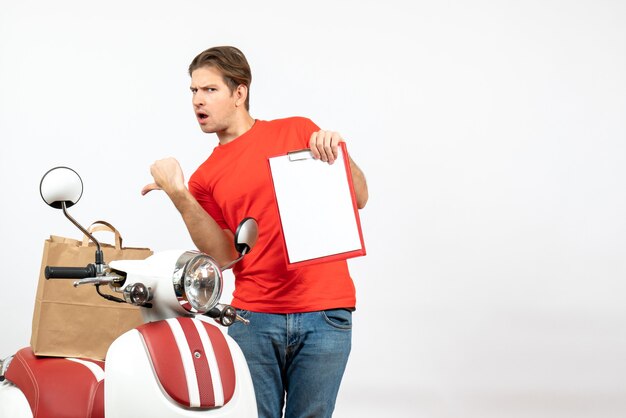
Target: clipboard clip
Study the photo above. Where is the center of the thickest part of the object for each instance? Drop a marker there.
(298, 155)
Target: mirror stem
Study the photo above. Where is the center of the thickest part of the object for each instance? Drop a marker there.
(84, 231)
(232, 263)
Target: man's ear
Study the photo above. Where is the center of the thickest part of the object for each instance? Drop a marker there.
(241, 94)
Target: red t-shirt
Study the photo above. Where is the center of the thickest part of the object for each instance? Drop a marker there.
(235, 183)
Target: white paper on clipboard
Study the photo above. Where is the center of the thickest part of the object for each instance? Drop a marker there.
(316, 209)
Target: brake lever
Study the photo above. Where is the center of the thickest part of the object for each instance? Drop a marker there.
(108, 278)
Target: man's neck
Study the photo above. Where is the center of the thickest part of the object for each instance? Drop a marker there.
(241, 125)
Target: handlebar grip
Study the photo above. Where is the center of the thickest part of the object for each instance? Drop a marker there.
(70, 272)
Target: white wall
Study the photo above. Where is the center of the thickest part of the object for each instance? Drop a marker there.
(492, 133)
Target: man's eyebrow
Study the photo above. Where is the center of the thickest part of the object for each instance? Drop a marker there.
(203, 86)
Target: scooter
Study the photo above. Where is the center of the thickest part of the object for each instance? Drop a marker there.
(177, 364)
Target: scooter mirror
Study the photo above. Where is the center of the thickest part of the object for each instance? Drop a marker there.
(61, 184)
(246, 235)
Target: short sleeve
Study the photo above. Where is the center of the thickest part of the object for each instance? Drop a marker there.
(205, 199)
(307, 127)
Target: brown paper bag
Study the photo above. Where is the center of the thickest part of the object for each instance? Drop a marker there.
(73, 321)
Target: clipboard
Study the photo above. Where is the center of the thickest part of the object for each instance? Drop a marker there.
(317, 208)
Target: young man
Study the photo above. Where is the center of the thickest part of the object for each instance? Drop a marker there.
(299, 337)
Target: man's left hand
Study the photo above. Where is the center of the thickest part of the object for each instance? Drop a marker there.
(324, 145)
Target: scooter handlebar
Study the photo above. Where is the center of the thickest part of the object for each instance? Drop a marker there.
(70, 272)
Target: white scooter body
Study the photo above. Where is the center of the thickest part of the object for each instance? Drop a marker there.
(129, 369)
(131, 385)
(131, 388)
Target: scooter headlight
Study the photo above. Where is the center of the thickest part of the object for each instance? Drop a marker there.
(197, 282)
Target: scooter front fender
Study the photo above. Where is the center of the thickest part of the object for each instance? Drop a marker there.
(132, 387)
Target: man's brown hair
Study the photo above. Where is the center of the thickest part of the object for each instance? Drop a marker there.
(231, 62)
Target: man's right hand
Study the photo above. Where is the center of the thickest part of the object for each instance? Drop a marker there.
(207, 235)
(167, 175)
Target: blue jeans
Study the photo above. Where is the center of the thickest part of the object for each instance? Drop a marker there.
(302, 356)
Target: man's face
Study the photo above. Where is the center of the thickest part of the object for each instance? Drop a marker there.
(213, 102)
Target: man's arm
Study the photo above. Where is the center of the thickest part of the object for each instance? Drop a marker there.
(205, 233)
(360, 185)
(324, 146)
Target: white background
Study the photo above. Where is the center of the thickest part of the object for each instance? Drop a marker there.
(492, 134)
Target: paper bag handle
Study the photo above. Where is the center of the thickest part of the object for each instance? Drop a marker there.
(103, 226)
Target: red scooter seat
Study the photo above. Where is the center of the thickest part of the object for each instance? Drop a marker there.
(59, 387)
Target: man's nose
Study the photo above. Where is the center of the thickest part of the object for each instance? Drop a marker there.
(198, 100)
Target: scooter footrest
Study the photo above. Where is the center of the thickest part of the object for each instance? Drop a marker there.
(59, 387)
